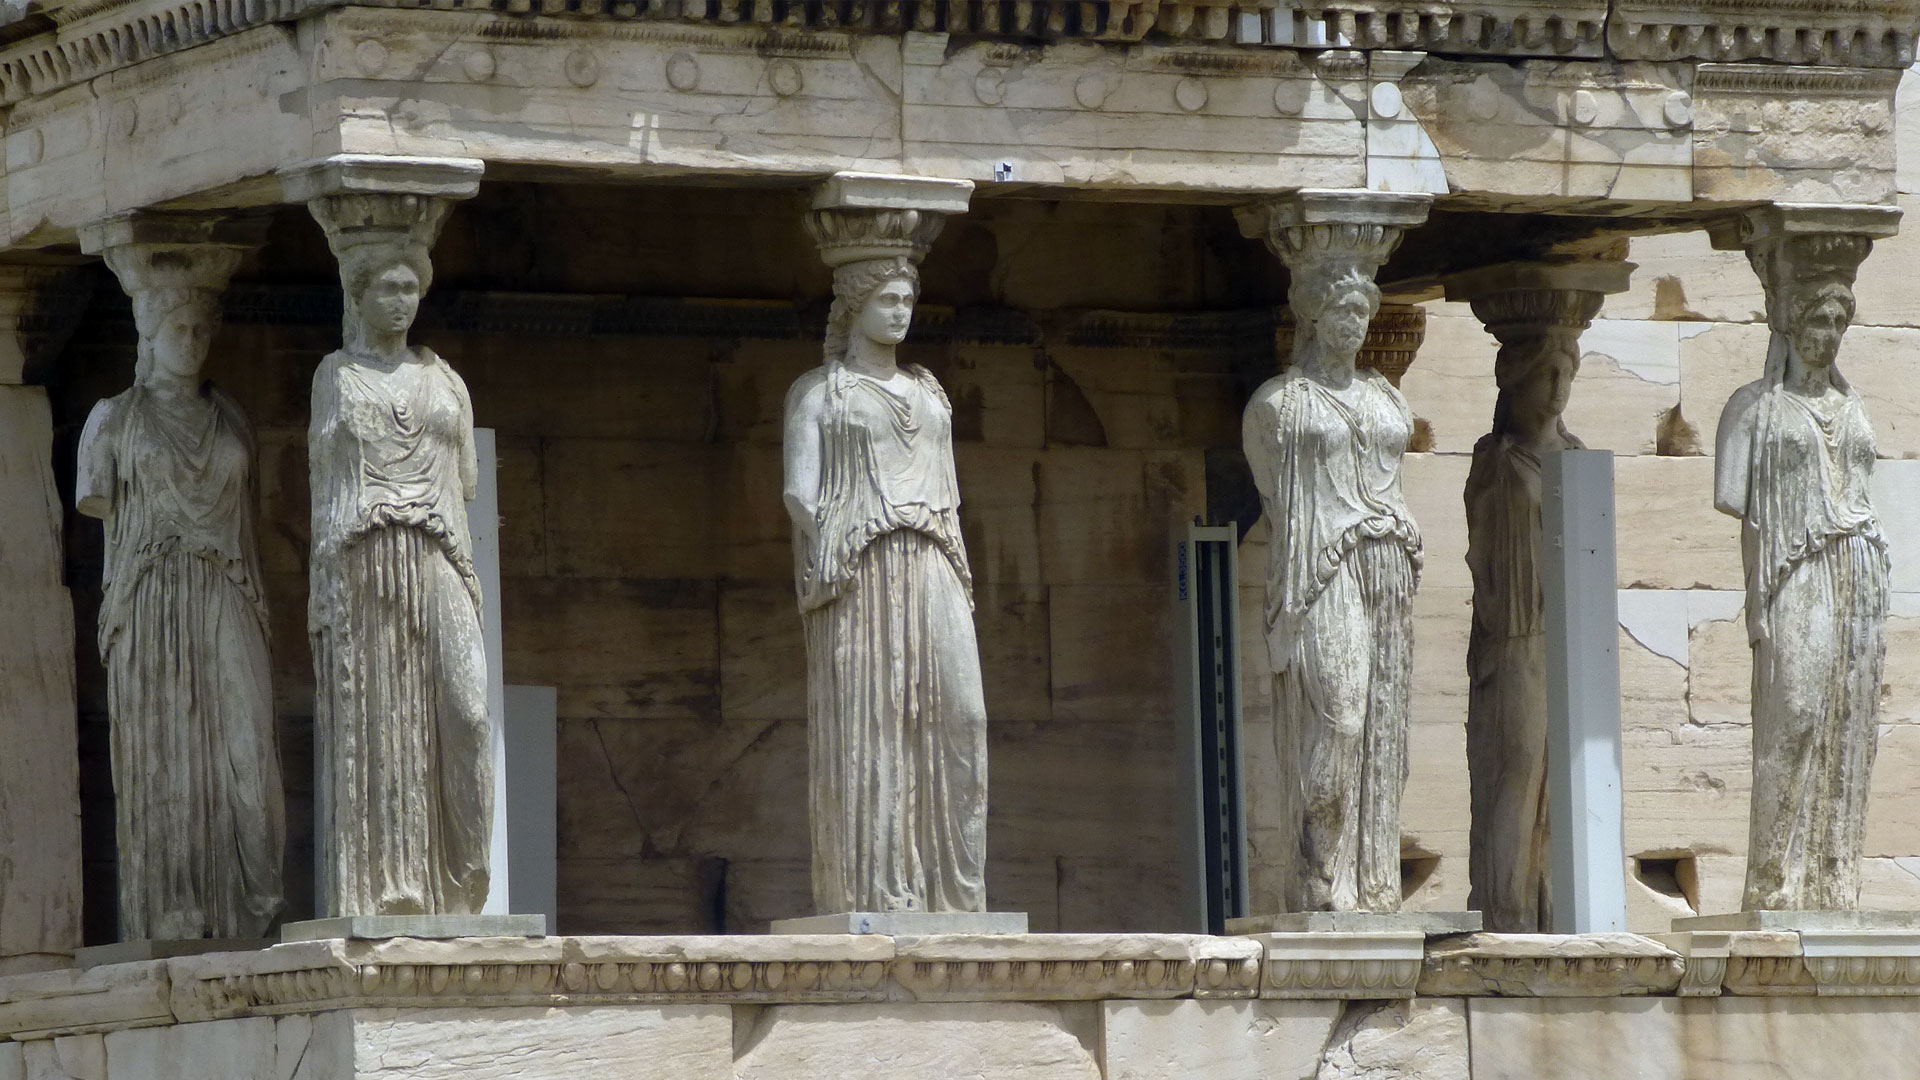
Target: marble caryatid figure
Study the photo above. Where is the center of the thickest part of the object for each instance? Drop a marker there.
(1794, 456)
(405, 790)
(1324, 440)
(1536, 312)
(168, 466)
(897, 723)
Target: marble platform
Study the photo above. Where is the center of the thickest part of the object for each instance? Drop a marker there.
(1359, 922)
(1821, 921)
(439, 927)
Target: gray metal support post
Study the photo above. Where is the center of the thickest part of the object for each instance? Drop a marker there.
(1583, 691)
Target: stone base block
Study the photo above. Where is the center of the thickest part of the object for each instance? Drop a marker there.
(374, 927)
(129, 952)
(1802, 920)
(1432, 923)
(907, 923)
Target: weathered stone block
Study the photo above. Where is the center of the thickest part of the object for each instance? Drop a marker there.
(1108, 517)
(1683, 277)
(1677, 540)
(1700, 1038)
(1412, 1039)
(1112, 653)
(1450, 384)
(1688, 789)
(615, 648)
(1435, 486)
(617, 508)
(911, 1042)
(215, 1050)
(531, 1044)
(1245, 1039)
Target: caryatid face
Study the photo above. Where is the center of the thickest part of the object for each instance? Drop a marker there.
(1341, 323)
(1822, 310)
(392, 300)
(887, 313)
(179, 345)
(1543, 397)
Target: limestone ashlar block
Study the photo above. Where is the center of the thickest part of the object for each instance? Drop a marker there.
(1879, 293)
(1226, 1040)
(72, 1057)
(652, 783)
(1571, 129)
(1680, 541)
(1718, 358)
(615, 647)
(620, 508)
(1078, 114)
(1108, 517)
(1099, 788)
(1139, 892)
(1112, 649)
(1629, 376)
(1683, 278)
(1450, 385)
(1434, 486)
(599, 386)
(999, 512)
(1893, 804)
(998, 394)
(1832, 144)
(1713, 1038)
(910, 1042)
(528, 1043)
(215, 1050)
(1654, 689)
(1687, 789)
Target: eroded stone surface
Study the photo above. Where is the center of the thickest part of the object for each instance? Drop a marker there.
(1227, 1040)
(911, 1042)
(1415, 1039)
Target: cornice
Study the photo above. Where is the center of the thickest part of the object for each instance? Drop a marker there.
(1849, 33)
(91, 38)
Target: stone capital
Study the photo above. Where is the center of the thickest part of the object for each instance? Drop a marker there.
(150, 250)
(1266, 218)
(378, 174)
(371, 198)
(1523, 300)
(859, 216)
(1761, 225)
(1317, 226)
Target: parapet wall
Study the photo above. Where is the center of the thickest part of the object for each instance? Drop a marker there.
(1728, 1006)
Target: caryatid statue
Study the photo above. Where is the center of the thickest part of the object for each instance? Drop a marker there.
(405, 790)
(1537, 312)
(1793, 460)
(896, 713)
(168, 466)
(1324, 440)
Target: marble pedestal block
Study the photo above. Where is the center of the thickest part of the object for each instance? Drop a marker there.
(1359, 922)
(1802, 920)
(907, 923)
(375, 927)
(127, 952)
